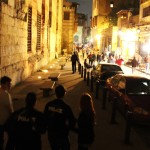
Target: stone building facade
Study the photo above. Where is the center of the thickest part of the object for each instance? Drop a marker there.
(30, 36)
(70, 23)
(99, 22)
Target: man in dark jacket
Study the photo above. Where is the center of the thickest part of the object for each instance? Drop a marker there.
(134, 64)
(25, 127)
(74, 59)
(60, 120)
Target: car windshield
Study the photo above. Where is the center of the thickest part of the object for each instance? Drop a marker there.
(107, 75)
(111, 68)
(138, 87)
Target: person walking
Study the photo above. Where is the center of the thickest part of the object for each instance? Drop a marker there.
(60, 120)
(98, 57)
(6, 106)
(25, 126)
(83, 52)
(134, 65)
(90, 58)
(147, 63)
(93, 59)
(111, 59)
(119, 61)
(86, 122)
(74, 59)
(86, 65)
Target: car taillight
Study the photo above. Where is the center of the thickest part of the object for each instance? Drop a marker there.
(140, 110)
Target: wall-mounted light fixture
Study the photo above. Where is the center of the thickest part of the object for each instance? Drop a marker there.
(138, 30)
(111, 4)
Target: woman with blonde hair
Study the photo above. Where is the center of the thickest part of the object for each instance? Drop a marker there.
(86, 122)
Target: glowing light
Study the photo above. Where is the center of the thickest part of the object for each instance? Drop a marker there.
(39, 77)
(45, 71)
(138, 30)
(96, 63)
(120, 33)
(146, 47)
(91, 40)
(98, 36)
(111, 4)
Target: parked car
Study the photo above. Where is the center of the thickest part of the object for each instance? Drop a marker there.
(132, 94)
(105, 67)
(105, 75)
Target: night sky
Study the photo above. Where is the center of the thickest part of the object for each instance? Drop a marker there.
(85, 6)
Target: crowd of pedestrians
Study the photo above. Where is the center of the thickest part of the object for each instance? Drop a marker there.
(93, 57)
(25, 126)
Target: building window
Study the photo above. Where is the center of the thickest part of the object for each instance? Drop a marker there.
(38, 46)
(50, 19)
(19, 3)
(29, 38)
(95, 21)
(66, 15)
(146, 11)
(43, 13)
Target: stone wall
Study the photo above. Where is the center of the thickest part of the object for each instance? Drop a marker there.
(68, 30)
(15, 60)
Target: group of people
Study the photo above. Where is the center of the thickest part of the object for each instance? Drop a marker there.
(93, 58)
(136, 63)
(25, 126)
(103, 58)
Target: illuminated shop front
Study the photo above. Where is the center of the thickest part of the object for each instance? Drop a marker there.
(129, 42)
(144, 40)
(125, 42)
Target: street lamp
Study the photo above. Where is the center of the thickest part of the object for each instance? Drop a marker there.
(111, 4)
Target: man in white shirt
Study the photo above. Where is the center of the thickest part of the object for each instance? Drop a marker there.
(6, 107)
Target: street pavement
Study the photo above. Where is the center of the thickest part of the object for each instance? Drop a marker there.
(107, 136)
